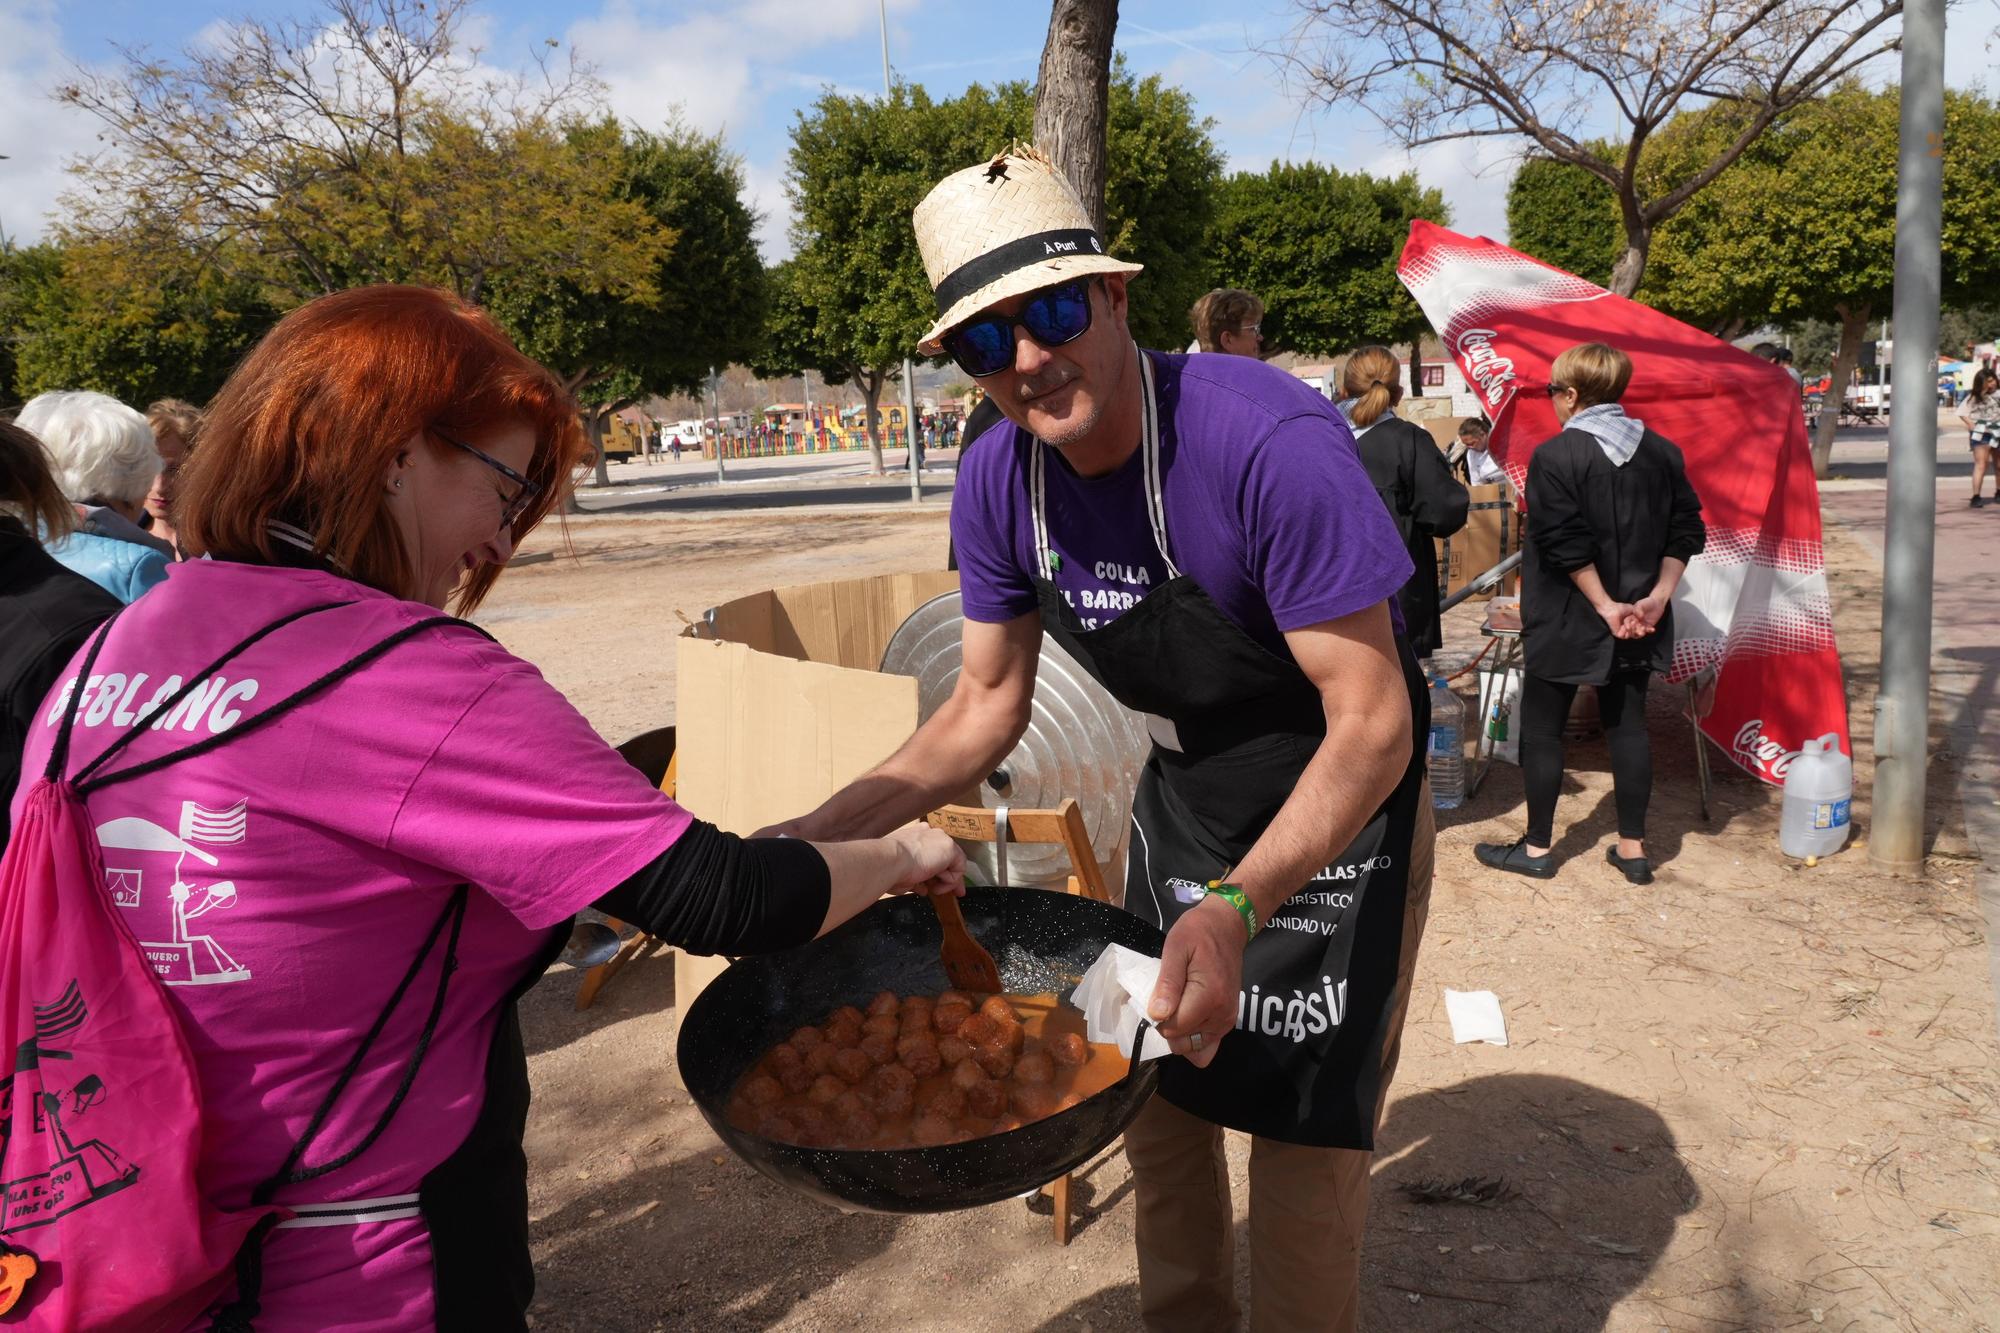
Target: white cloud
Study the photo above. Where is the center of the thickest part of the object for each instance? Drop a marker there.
(37, 133)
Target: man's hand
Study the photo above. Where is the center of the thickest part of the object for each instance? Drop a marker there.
(1649, 609)
(1201, 979)
(935, 863)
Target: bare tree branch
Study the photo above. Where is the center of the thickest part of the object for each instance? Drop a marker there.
(1545, 73)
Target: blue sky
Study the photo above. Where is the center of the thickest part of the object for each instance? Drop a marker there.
(745, 67)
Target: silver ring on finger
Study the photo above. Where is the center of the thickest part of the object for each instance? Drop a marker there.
(1194, 1042)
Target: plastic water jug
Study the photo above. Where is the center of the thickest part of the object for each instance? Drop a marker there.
(1444, 756)
(1819, 787)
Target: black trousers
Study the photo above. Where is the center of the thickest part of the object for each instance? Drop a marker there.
(1621, 703)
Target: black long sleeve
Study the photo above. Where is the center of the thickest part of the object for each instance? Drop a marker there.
(1439, 502)
(1558, 523)
(1687, 535)
(715, 892)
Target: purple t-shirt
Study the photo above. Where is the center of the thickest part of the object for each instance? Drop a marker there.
(1267, 507)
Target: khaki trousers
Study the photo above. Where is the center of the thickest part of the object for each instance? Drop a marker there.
(1307, 1205)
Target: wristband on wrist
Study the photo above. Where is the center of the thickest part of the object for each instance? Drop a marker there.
(1239, 900)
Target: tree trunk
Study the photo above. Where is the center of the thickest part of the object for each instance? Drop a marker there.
(1853, 324)
(1072, 95)
(1417, 367)
(594, 425)
(1631, 265)
(871, 394)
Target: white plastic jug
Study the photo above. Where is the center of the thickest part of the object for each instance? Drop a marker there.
(1819, 786)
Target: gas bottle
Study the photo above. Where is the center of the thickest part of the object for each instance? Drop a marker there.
(1819, 787)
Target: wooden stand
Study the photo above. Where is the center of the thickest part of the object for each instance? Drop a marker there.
(1064, 826)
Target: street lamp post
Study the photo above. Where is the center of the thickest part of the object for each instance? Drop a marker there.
(1909, 545)
(909, 372)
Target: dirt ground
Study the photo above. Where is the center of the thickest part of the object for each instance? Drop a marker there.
(1752, 1096)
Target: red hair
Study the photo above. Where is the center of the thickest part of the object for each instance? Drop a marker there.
(308, 425)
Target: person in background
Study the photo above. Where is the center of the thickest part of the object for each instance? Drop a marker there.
(46, 611)
(1982, 423)
(1229, 320)
(1783, 360)
(103, 458)
(1612, 524)
(1409, 473)
(175, 425)
(1480, 469)
(373, 460)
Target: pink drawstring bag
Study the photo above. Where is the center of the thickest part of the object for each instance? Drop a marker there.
(100, 1116)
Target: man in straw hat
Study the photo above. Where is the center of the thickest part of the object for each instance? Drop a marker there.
(1199, 532)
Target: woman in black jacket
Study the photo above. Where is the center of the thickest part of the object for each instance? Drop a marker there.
(46, 611)
(1612, 523)
(1409, 472)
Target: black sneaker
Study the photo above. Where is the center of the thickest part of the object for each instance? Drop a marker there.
(1635, 868)
(1513, 857)
(1977, 502)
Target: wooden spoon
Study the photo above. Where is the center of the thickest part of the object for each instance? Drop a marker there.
(967, 965)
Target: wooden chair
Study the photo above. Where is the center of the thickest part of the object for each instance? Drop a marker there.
(1062, 826)
(653, 754)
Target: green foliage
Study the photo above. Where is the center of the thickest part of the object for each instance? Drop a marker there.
(1563, 215)
(1163, 173)
(711, 296)
(77, 324)
(1320, 248)
(1961, 330)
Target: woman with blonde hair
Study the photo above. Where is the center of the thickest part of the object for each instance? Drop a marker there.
(1409, 472)
(175, 424)
(385, 791)
(1612, 524)
(1229, 320)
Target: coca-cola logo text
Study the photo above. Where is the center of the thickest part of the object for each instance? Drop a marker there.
(1491, 371)
(1755, 750)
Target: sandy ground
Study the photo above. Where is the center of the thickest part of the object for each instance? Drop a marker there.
(1752, 1096)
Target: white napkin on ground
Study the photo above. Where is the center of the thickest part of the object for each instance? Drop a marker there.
(1475, 1016)
(1113, 995)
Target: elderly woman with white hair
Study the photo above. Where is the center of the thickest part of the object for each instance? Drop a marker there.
(104, 459)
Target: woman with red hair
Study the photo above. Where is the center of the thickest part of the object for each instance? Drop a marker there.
(345, 897)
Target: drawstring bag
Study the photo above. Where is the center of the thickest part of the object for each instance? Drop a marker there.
(103, 1224)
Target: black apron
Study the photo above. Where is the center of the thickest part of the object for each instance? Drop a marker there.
(1234, 725)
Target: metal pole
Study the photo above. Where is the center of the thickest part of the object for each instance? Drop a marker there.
(909, 373)
(1902, 703)
(715, 404)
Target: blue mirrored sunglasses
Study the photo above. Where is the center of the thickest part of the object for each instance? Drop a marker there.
(1052, 317)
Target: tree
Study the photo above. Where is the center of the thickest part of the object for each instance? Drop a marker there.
(710, 310)
(1072, 95)
(1437, 70)
(1165, 173)
(1763, 247)
(1320, 247)
(77, 324)
(1563, 215)
(359, 146)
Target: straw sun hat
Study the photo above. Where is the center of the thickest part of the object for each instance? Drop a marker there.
(1008, 226)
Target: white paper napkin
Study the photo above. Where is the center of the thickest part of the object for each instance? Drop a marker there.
(1113, 996)
(1475, 1016)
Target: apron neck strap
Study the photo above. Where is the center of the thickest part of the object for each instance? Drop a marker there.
(1149, 444)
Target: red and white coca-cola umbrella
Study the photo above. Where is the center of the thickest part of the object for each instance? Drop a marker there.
(1755, 604)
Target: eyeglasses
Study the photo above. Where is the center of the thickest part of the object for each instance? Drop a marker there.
(1555, 389)
(1257, 329)
(511, 512)
(1052, 317)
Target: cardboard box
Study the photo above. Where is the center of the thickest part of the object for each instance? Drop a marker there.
(780, 705)
(1492, 532)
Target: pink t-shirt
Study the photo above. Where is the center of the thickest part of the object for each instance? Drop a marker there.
(282, 885)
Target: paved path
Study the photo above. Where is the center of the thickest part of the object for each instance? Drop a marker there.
(1965, 646)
